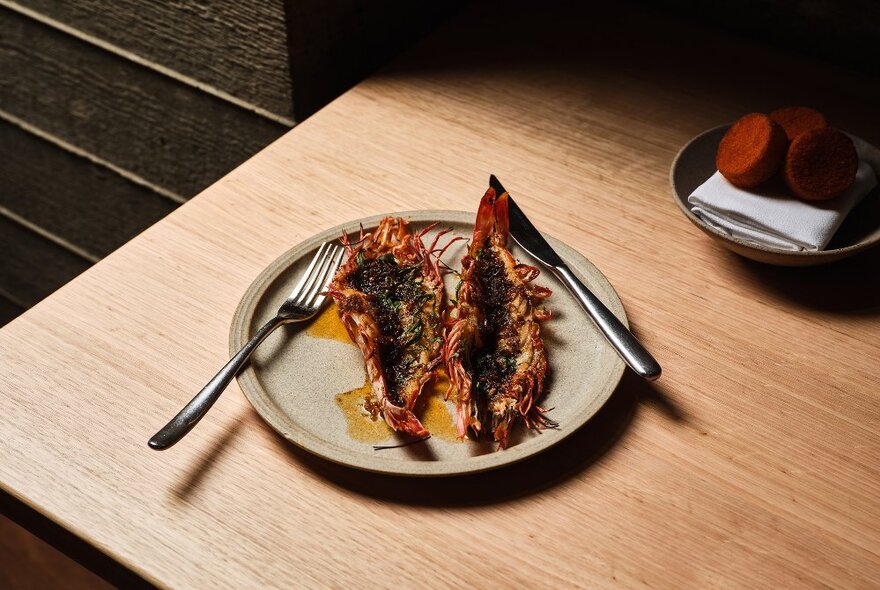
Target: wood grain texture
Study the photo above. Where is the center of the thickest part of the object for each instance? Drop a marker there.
(32, 265)
(238, 47)
(81, 202)
(164, 131)
(753, 462)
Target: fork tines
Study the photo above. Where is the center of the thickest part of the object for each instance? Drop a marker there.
(309, 290)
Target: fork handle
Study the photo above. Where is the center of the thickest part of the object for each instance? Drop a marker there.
(192, 412)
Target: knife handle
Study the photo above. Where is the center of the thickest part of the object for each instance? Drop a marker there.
(629, 349)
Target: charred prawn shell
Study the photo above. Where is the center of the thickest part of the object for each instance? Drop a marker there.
(390, 297)
(493, 349)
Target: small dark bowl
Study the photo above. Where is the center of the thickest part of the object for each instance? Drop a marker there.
(859, 231)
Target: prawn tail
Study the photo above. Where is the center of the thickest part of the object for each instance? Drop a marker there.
(402, 420)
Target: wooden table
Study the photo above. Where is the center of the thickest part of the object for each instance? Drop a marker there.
(753, 462)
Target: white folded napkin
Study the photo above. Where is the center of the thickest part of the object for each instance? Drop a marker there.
(773, 217)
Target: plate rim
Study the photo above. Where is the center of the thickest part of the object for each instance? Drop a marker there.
(800, 254)
(250, 385)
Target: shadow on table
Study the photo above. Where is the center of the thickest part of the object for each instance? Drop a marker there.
(192, 479)
(849, 286)
(570, 458)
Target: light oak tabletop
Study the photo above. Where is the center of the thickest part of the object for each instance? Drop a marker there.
(753, 462)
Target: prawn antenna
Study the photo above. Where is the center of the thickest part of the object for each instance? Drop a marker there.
(404, 444)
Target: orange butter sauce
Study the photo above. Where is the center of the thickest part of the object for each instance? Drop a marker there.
(434, 414)
(361, 425)
(369, 427)
(328, 325)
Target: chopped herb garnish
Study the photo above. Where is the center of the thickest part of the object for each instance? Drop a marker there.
(406, 311)
(412, 334)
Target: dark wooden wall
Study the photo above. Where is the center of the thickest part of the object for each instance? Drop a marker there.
(114, 112)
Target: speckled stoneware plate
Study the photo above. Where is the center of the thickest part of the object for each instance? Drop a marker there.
(695, 163)
(307, 381)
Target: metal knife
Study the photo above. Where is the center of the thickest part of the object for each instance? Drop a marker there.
(531, 240)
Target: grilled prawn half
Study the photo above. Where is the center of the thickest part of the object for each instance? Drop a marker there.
(493, 349)
(389, 295)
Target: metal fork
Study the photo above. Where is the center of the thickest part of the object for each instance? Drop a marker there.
(302, 304)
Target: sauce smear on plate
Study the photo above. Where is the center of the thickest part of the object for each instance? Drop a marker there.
(354, 404)
(328, 325)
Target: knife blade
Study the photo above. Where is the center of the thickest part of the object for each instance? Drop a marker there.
(530, 239)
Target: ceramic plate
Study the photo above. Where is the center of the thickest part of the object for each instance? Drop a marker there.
(860, 230)
(307, 381)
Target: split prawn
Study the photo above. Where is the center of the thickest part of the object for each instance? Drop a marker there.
(493, 349)
(389, 295)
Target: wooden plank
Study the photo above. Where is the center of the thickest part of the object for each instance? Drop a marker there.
(243, 51)
(752, 463)
(237, 47)
(77, 200)
(31, 266)
(169, 133)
